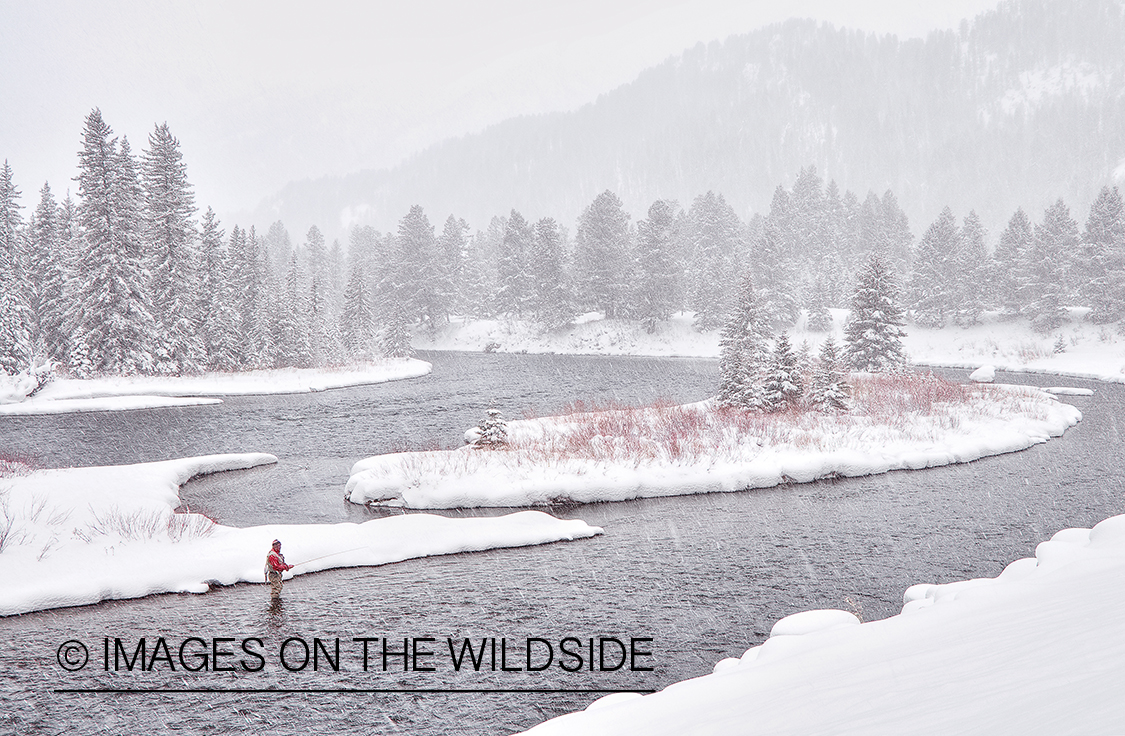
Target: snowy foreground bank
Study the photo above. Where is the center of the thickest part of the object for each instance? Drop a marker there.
(900, 422)
(1037, 650)
(145, 392)
(83, 535)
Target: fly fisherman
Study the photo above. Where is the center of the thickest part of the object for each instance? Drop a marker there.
(275, 566)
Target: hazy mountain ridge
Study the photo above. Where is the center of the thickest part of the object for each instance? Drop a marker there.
(1018, 107)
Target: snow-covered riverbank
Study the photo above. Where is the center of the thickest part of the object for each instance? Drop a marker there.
(899, 422)
(1036, 650)
(83, 535)
(118, 393)
(1088, 350)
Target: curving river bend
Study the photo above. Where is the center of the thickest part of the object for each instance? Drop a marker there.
(704, 576)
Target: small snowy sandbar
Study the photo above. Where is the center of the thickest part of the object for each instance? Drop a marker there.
(277, 381)
(1036, 650)
(82, 535)
(1069, 391)
(899, 422)
(38, 405)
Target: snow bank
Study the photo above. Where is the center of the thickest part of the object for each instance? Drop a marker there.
(684, 450)
(1036, 650)
(83, 535)
(1090, 351)
(278, 381)
(590, 334)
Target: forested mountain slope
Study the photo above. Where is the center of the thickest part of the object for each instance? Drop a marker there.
(1018, 106)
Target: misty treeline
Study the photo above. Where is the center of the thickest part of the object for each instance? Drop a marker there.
(131, 278)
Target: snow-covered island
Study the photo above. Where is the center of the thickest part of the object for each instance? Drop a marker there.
(115, 393)
(899, 421)
(1036, 650)
(82, 535)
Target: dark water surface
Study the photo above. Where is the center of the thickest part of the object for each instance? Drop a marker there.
(704, 576)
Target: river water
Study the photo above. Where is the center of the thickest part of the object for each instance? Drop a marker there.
(703, 577)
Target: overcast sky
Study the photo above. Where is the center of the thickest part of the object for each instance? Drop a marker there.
(261, 93)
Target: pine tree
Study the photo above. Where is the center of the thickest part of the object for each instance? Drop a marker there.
(514, 266)
(743, 351)
(715, 240)
(396, 336)
(1056, 238)
(603, 256)
(451, 261)
(819, 319)
(493, 430)
(658, 266)
(1012, 264)
(170, 235)
(291, 336)
(110, 323)
(410, 279)
(829, 391)
(873, 332)
(15, 317)
(773, 274)
(356, 325)
(222, 325)
(211, 248)
(49, 272)
(553, 299)
(784, 386)
(933, 284)
(971, 267)
(1103, 258)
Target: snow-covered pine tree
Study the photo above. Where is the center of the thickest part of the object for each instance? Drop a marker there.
(277, 249)
(774, 277)
(784, 385)
(493, 430)
(603, 256)
(411, 277)
(325, 343)
(658, 265)
(396, 336)
(554, 304)
(819, 318)
(48, 272)
(110, 322)
(170, 236)
(971, 267)
(514, 266)
(222, 332)
(291, 336)
(256, 290)
(336, 275)
(1012, 265)
(1103, 257)
(829, 391)
(356, 324)
(1056, 239)
(933, 284)
(873, 332)
(476, 287)
(214, 268)
(15, 317)
(743, 351)
(450, 262)
(316, 253)
(714, 241)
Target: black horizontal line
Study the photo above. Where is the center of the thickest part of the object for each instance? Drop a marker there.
(95, 690)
